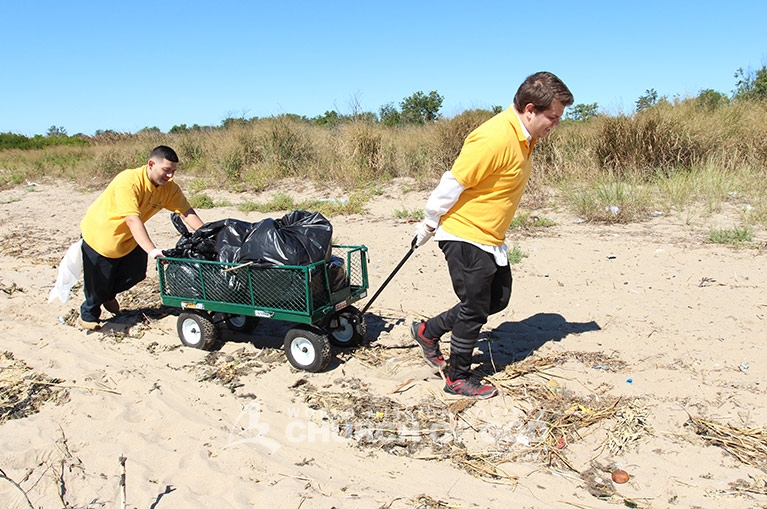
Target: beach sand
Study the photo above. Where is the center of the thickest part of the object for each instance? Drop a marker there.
(624, 347)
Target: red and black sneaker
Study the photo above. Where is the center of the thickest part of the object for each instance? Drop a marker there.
(429, 346)
(471, 387)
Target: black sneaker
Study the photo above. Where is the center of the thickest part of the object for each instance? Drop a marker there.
(471, 387)
(112, 306)
(429, 347)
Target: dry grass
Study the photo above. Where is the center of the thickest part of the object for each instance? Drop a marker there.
(228, 369)
(749, 445)
(23, 391)
(555, 416)
(670, 156)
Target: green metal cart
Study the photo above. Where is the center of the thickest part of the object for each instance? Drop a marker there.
(317, 297)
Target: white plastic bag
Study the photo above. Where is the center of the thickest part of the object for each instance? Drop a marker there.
(70, 270)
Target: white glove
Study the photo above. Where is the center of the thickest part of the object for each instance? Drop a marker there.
(423, 233)
(155, 253)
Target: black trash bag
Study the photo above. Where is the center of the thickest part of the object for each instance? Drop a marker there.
(336, 273)
(179, 224)
(212, 241)
(217, 241)
(298, 238)
(183, 280)
(230, 234)
(321, 286)
(200, 245)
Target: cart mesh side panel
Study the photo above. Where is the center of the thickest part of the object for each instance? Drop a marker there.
(183, 279)
(273, 287)
(296, 289)
(354, 268)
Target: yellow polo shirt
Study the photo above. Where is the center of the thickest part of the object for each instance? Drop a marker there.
(130, 193)
(493, 166)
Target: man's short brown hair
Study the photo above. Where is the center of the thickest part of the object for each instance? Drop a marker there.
(540, 90)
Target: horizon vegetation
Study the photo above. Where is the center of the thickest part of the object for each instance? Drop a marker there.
(669, 156)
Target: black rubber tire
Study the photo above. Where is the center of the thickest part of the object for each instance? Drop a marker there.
(197, 330)
(351, 329)
(307, 348)
(241, 323)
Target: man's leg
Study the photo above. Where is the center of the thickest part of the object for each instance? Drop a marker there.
(104, 278)
(472, 272)
(444, 322)
(437, 326)
(130, 271)
(500, 293)
(427, 334)
(97, 283)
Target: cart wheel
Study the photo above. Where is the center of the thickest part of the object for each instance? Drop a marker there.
(197, 330)
(348, 327)
(240, 323)
(307, 349)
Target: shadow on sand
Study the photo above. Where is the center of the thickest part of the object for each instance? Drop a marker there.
(515, 341)
(497, 348)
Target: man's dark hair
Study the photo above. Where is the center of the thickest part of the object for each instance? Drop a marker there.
(540, 90)
(163, 152)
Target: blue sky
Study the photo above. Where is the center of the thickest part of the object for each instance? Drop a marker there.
(87, 65)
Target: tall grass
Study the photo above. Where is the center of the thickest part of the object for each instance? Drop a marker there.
(668, 157)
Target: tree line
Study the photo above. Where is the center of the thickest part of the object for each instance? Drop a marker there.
(417, 109)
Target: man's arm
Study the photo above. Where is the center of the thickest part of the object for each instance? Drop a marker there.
(442, 199)
(191, 218)
(140, 235)
(444, 196)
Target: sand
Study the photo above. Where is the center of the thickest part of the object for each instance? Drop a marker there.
(626, 340)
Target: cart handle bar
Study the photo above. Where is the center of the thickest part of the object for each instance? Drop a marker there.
(396, 269)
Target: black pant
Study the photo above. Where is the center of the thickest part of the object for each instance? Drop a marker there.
(483, 288)
(104, 278)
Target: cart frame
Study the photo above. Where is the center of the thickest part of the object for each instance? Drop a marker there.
(303, 294)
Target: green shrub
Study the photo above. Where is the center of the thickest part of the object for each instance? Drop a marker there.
(610, 201)
(515, 255)
(736, 235)
(280, 201)
(11, 177)
(196, 185)
(526, 221)
(232, 164)
(191, 150)
(37, 142)
(201, 201)
(404, 213)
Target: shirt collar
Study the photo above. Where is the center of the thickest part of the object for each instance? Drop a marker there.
(525, 132)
